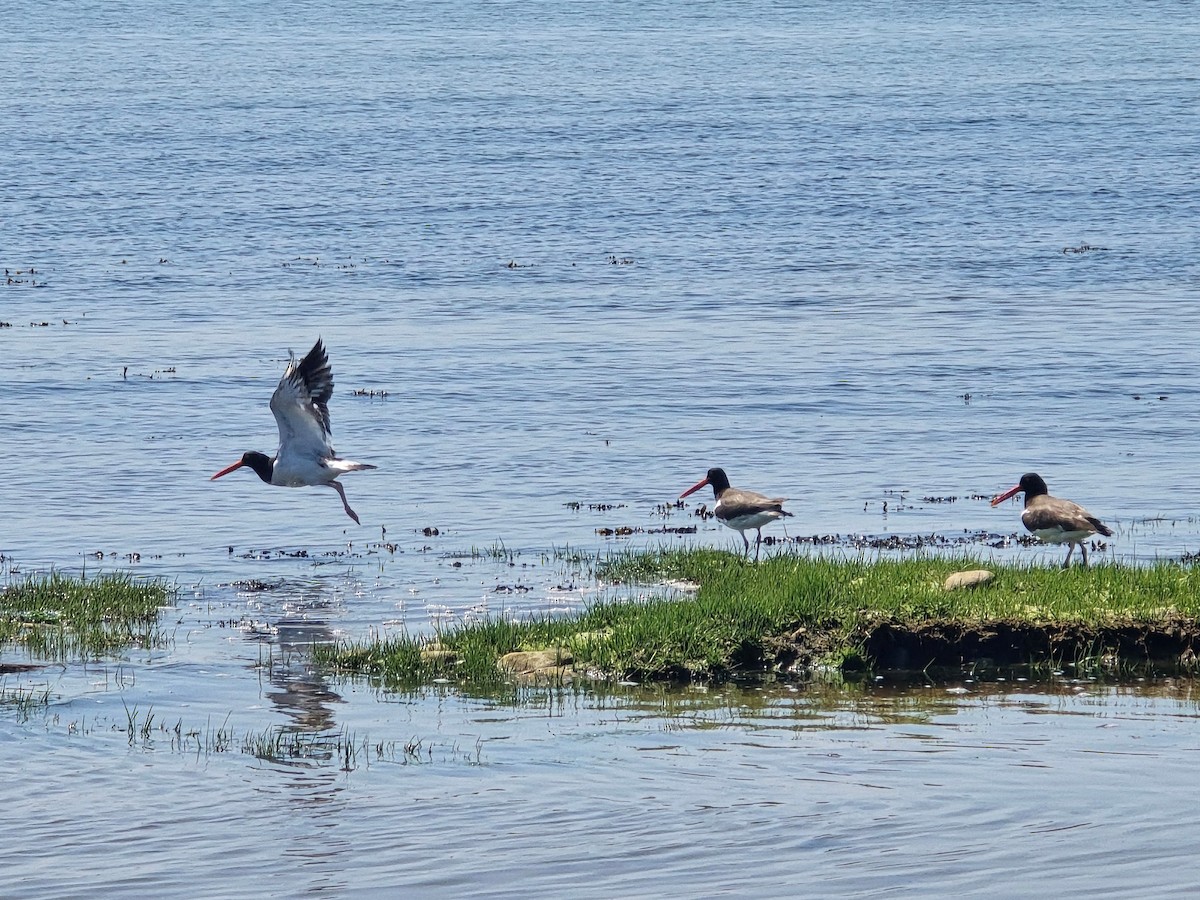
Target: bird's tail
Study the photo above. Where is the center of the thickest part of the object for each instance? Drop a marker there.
(349, 465)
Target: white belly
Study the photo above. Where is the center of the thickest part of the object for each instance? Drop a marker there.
(1059, 536)
(751, 520)
(291, 472)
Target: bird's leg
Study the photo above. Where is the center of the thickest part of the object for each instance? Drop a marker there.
(1083, 550)
(342, 493)
(1070, 550)
(746, 541)
(757, 544)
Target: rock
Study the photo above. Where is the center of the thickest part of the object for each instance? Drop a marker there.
(970, 579)
(552, 663)
(438, 655)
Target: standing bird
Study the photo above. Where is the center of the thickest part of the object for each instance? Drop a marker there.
(1053, 520)
(739, 509)
(301, 408)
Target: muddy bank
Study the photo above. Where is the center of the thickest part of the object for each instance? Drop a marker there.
(1166, 646)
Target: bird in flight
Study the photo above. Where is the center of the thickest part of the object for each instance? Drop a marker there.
(301, 407)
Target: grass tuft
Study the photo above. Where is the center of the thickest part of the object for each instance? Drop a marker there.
(56, 616)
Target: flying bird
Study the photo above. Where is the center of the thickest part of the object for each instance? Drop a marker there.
(1053, 520)
(301, 407)
(739, 509)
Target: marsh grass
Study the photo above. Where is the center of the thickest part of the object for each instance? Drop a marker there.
(26, 701)
(146, 731)
(291, 746)
(912, 588)
(58, 617)
(796, 610)
(288, 746)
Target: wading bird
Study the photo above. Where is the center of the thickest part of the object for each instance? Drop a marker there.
(1053, 520)
(739, 509)
(301, 408)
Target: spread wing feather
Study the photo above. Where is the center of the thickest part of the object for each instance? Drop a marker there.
(301, 404)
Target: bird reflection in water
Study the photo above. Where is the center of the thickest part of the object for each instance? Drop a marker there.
(299, 690)
(296, 687)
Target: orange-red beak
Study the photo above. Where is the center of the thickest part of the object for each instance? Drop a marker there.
(996, 501)
(228, 469)
(703, 482)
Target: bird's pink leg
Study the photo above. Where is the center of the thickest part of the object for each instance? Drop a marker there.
(342, 493)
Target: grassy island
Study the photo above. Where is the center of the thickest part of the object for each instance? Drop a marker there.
(793, 612)
(56, 616)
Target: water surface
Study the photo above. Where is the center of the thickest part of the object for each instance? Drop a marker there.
(855, 255)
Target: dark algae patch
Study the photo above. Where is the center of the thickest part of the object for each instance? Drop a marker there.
(55, 616)
(711, 615)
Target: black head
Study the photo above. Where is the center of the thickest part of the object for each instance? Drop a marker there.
(1033, 485)
(716, 478)
(719, 481)
(262, 465)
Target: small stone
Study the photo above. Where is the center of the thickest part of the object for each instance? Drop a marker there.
(970, 579)
(535, 662)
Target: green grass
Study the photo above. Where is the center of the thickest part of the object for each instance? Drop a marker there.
(24, 701)
(58, 617)
(789, 609)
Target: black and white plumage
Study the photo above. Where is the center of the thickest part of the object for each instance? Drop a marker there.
(740, 509)
(301, 407)
(1053, 520)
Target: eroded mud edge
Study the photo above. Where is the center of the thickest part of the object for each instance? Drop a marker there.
(1170, 645)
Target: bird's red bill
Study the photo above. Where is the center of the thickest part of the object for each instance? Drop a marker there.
(996, 501)
(703, 482)
(227, 470)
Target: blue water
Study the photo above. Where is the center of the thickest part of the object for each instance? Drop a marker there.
(841, 250)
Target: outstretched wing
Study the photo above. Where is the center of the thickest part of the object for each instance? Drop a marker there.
(301, 404)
